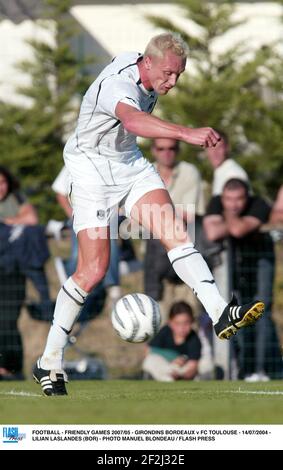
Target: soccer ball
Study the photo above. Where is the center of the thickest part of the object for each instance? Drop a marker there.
(136, 318)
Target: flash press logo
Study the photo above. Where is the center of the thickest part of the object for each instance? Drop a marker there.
(12, 435)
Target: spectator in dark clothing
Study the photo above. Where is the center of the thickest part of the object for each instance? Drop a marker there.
(12, 295)
(16, 211)
(175, 351)
(238, 216)
(23, 250)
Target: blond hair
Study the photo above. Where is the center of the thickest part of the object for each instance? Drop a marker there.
(158, 45)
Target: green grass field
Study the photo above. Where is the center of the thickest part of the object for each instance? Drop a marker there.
(144, 402)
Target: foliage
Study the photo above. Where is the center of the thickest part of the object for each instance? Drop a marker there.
(227, 89)
(32, 138)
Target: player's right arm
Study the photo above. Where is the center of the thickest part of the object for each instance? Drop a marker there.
(63, 201)
(145, 125)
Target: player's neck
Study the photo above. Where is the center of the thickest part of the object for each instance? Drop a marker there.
(144, 76)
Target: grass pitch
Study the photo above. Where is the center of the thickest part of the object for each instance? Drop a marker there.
(144, 402)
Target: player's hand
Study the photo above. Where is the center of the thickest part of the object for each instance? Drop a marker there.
(203, 136)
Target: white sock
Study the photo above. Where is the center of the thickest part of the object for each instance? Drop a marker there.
(69, 303)
(193, 270)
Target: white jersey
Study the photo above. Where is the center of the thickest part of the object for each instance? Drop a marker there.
(62, 182)
(99, 131)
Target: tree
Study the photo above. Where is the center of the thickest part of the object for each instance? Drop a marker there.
(225, 90)
(32, 138)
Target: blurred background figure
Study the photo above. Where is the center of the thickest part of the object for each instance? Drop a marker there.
(23, 252)
(184, 184)
(14, 208)
(224, 166)
(277, 209)
(175, 351)
(238, 216)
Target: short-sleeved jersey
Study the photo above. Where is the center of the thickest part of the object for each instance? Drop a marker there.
(62, 182)
(99, 131)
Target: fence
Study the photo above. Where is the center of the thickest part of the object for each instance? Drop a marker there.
(24, 321)
(253, 350)
(255, 353)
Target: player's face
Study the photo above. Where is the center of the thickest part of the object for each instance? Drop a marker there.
(181, 325)
(165, 152)
(217, 154)
(234, 200)
(3, 187)
(163, 73)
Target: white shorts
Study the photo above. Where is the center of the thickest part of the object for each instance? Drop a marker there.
(99, 186)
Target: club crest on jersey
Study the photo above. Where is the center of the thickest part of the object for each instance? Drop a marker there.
(101, 214)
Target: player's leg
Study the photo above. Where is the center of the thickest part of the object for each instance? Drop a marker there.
(156, 213)
(154, 210)
(93, 259)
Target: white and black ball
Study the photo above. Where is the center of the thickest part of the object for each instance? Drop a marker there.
(136, 318)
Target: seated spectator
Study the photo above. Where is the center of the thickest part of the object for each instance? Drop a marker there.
(175, 351)
(237, 216)
(23, 251)
(28, 246)
(12, 295)
(14, 208)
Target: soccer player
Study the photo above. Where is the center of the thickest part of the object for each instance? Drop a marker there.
(108, 169)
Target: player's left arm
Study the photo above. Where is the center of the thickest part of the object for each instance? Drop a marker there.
(27, 216)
